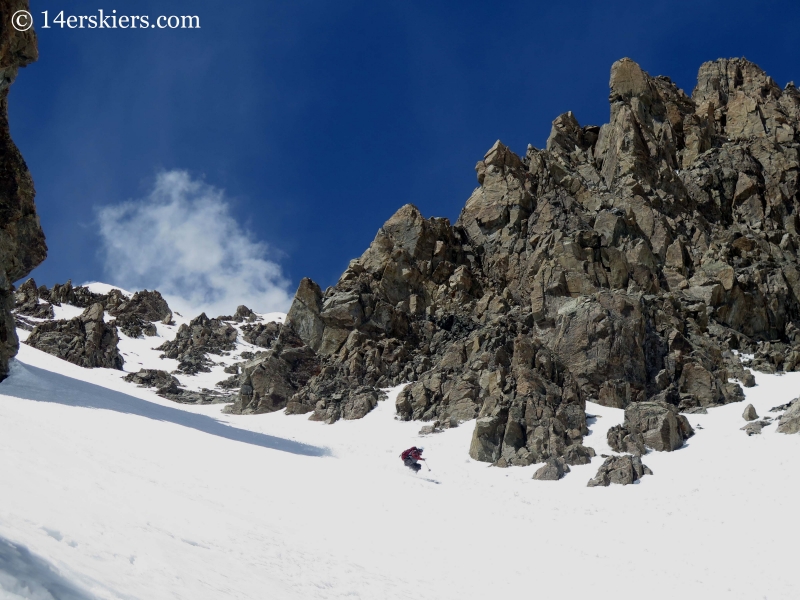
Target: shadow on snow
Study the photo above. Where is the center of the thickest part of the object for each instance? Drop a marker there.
(25, 575)
(33, 383)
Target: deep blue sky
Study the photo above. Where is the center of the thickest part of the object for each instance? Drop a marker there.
(320, 119)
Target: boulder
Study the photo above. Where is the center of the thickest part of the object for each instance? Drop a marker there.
(553, 470)
(790, 420)
(749, 413)
(243, 314)
(155, 378)
(578, 454)
(487, 438)
(755, 427)
(623, 470)
(656, 425)
(620, 439)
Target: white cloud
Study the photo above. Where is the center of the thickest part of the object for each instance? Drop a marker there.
(183, 241)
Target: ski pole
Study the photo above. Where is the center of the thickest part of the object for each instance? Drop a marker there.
(426, 464)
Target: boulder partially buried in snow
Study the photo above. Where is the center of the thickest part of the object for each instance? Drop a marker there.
(553, 470)
(657, 425)
(623, 470)
(790, 421)
(87, 340)
(155, 378)
(755, 427)
(620, 439)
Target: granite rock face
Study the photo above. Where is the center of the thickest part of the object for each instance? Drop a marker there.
(269, 381)
(87, 340)
(22, 244)
(623, 264)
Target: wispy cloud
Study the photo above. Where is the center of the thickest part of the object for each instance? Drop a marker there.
(182, 240)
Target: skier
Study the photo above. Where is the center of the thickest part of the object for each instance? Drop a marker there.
(411, 456)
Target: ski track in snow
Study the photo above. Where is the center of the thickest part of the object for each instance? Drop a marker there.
(109, 491)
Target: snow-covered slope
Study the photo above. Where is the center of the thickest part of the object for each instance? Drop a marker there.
(141, 353)
(112, 492)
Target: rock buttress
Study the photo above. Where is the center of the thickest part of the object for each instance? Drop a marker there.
(22, 245)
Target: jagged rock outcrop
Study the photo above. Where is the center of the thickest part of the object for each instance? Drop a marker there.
(242, 314)
(134, 326)
(79, 296)
(535, 414)
(268, 382)
(87, 340)
(194, 341)
(623, 264)
(136, 316)
(22, 244)
(148, 306)
(261, 334)
(27, 302)
(622, 470)
(790, 420)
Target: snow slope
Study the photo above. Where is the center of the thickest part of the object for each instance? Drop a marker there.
(108, 491)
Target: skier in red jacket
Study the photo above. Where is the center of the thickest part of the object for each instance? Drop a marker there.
(411, 456)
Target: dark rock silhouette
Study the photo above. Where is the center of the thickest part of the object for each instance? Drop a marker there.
(22, 245)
